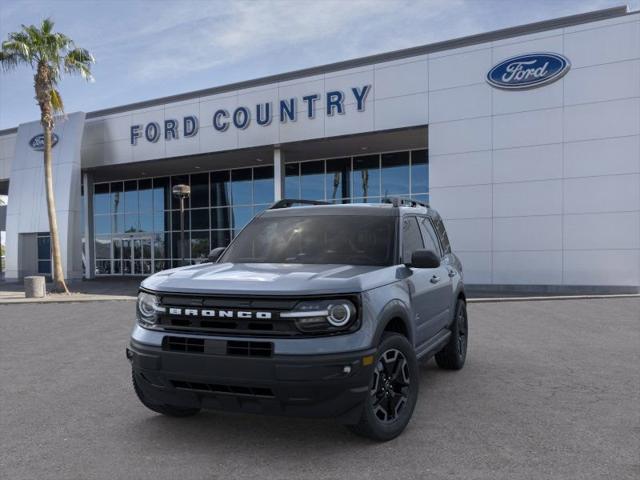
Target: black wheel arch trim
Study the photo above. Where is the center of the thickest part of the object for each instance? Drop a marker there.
(395, 309)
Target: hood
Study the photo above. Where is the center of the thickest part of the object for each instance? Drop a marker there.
(270, 279)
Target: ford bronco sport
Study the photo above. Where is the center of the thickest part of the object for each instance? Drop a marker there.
(313, 310)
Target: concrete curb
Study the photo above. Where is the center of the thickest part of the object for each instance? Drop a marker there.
(69, 299)
(550, 298)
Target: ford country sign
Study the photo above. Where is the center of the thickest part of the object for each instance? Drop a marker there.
(37, 142)
(528, 71)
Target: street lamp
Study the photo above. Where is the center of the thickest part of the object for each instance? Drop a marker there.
(182, 192)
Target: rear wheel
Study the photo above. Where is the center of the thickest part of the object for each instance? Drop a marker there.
(454, 353)
(164, 409)
(393, 390)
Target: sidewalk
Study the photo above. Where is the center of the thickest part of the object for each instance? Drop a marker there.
(104, 289)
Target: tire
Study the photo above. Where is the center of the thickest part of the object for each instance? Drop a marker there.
(164, 409)
(454, 353)
(393, 390)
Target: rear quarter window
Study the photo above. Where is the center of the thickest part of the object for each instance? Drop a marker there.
(442, 233)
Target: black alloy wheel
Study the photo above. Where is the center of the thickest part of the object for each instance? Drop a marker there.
(391, 382)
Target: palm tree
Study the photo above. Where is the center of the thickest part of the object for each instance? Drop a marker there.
(50, 55)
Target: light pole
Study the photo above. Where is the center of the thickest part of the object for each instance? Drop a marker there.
(182, 192)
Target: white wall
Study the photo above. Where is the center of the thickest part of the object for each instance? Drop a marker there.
(7, 151)
(542, 186)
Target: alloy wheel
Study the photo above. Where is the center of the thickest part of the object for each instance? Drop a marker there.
(391, 383)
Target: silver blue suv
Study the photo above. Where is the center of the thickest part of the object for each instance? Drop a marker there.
(313, 310)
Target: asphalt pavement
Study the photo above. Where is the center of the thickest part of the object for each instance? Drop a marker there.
(551, 390)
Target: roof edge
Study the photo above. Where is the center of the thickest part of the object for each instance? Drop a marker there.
(469, 40)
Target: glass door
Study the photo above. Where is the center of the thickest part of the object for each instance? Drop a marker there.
(132, 256)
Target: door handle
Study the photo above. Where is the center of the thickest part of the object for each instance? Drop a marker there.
(452, 272)
(435, 279)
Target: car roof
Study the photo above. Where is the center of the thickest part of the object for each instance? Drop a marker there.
(371, 209)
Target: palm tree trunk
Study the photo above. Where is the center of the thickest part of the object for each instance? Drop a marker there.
(59, 284)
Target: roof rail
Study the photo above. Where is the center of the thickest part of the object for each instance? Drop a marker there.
(290, 202)
(404, 202)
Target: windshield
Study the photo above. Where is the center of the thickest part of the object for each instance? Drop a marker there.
(341, 239)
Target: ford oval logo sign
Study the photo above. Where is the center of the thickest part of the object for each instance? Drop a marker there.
(528, 71)
(37, 142)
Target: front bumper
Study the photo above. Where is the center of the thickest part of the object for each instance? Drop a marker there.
(295, 385)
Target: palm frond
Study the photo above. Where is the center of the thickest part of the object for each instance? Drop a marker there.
(56, 101)
(79, 61)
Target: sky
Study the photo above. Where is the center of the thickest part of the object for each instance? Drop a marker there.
(150, 49)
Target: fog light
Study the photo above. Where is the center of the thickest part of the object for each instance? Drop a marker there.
(368, 360)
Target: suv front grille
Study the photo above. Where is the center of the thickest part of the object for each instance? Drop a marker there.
(249, 349)
(217, 347)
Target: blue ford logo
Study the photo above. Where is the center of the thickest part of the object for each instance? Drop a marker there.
(528, 71)
(37, 142)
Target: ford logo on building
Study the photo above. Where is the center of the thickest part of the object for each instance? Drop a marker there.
(37, 142)
(528, 71)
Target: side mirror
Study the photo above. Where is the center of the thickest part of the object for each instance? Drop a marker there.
(424, 259)
(214, 254)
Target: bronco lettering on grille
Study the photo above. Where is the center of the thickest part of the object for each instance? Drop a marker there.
(242, 314)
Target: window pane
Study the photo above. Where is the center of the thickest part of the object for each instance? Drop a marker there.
(117, 197)
(161, 194)
(419, 171)
(44, 247)
(220, 218)
(241, 216)
(161, 265)
(117, 223)
(175, 245)
(241, 186)
(220, 238)
(366, 177)
(179, 180)
(131, 196)
(160, 245)
(145, 195)
(103, 247)
(101, 198)
(103, 267)
(220, 189)
(263, 185)
(102, 224)
(337, 179)
(161, 221)
(312, 180)
(175, 220)
(131, 222)
(200, 190)
(200, 245)
(429, 236)
(146, 222)
(44, 266)
(292, 180)
(200, 219)
(411, 238)
(395, 174)
(117, 249)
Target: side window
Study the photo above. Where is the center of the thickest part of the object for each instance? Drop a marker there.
(429, 235)
(411, 238)
(442, 234)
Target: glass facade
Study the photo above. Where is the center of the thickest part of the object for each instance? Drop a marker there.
(366, 178)
(137, 222)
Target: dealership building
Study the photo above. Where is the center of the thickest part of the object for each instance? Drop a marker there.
(526, 140)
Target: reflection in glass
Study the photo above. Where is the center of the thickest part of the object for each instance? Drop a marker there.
(131, 223)
(200, 219)
(145, 195)
(160, 242)
(263, 185)
(241, 216)
(220, 218)
(241, 186)
(395, 173)
(131, 203)
(102, 224)
(366, 177)
(220, 238)
(116, 198)
(161, 221)
(117, 248)
(337, 179)
(292, 180)
(161, 194)
(419, 171)
(200, 190)
(200, 245)
(220, 189)
(175, 220)
(101, 198)
(312, 180)
(146, 222)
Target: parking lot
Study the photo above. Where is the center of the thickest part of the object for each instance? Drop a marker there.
(551, 390)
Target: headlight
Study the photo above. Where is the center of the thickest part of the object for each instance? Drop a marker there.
(148, 307)
(323, 316)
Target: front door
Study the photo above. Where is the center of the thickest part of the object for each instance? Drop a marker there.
(133, 256)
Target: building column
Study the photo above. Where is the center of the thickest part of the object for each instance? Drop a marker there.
(87, 222)
(278, 174)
